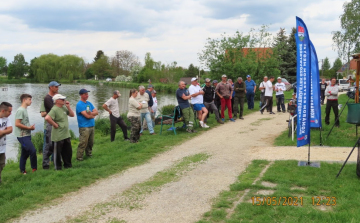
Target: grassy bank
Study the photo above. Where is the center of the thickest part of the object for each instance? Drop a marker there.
(320, 197)
(5, 80)
(343, 136)
(161, 87)
(20, 193)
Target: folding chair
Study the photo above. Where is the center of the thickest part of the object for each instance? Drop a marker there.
(176, 115)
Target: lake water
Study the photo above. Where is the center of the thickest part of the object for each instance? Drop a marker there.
(98, 95)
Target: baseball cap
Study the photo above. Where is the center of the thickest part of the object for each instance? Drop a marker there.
(54, 83)
(150, 86)
(83, 91)
(224, 75)
(58, 96)
(193, 79)
(248, 76)
(215, 81)
(153, 91)
(207, 80)
(117, 92)
(279, 78)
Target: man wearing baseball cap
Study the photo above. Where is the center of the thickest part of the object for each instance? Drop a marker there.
(225, 91)
(112, 106)
(86, 113)
(48, 104)
(60, 135)
(209, 96)
(250, 91)
(197, 100)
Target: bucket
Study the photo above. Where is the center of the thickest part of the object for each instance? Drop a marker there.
(353, 116)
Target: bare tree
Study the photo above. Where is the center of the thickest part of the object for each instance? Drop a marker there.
(124, 61)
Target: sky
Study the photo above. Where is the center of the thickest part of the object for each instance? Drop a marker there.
(172, 30)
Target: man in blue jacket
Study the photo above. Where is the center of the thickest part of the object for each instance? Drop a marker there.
(250, 91)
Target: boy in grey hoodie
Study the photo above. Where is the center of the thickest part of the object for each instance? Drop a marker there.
(331, 92)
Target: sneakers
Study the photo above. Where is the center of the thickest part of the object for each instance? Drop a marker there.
(205, 126)
(272, 113)
(201, 124)
(33, 170)
(261, 111)
(241, 118)
(127, 139)
(223, 120)
(189, 130)
(283, 111)
(232, 120)
(79, 159)
(234, 117)
(220, 122)
(23, 172)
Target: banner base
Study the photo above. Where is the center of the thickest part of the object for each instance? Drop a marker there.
(312, 164)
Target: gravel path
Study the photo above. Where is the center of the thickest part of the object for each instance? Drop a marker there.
(232, 147)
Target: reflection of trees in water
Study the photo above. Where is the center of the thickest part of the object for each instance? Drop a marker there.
(98, 95)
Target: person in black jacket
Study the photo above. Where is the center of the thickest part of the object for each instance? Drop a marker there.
(240, 91)
(217, 100)
(209, 96)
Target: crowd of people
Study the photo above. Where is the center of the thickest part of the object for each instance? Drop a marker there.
(215, 97)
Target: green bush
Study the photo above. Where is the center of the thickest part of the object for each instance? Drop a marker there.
(38, 141)
(102, 125)
(167, 109)
(72, 135)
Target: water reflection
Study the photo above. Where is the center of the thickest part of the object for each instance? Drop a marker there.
(98, 95)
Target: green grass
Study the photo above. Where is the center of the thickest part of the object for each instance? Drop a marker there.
(290, 181)
(343, 136)
(20, 193)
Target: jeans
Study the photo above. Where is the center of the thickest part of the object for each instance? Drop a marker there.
(148, 120)
(280, 102)
(27, 149)
(250, 99)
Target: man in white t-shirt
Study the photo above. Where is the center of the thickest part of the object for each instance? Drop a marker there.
(5, 129)
(268, 96)
(197, 100)
(279, 89)
(112, 106)
(262, 93)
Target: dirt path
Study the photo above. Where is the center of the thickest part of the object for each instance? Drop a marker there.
(231, 148)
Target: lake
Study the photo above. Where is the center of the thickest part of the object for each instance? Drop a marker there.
(98, 95)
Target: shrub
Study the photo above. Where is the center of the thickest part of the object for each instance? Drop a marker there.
(38, 141)
(72, 135)
(103, 126)
(167, 109)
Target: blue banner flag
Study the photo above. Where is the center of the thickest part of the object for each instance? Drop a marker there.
(315, 107)
(303, 78)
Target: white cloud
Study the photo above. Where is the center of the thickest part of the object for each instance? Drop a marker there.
(171, 31)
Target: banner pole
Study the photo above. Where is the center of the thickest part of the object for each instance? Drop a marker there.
(320, 137)
(309, 154)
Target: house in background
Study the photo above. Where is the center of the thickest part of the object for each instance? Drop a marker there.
(347, 71)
